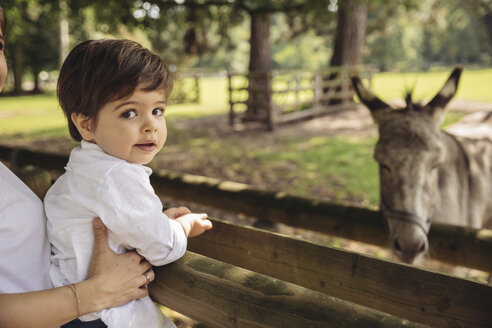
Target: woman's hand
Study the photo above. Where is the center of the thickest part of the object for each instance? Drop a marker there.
(116, 278)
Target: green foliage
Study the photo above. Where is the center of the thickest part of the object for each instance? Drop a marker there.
(429, 33)
(32, 27)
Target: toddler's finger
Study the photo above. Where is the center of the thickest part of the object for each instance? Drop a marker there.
(207, 224)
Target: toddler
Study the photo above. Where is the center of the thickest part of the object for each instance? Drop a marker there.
(114, 95)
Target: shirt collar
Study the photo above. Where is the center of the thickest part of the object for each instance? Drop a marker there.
(86, 145)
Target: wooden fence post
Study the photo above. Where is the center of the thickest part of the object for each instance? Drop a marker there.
(231, 100)
(196, 77)
(269, 104)
(317, 92)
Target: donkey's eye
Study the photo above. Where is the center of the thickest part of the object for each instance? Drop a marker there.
(384, 168)
(435, 166)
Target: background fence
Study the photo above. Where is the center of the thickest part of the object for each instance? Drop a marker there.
(276, 97)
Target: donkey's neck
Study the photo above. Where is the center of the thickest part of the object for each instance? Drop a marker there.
(453, 203)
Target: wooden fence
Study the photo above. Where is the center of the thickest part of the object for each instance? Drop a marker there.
(244, 277)
(276, 97)
(186, 88)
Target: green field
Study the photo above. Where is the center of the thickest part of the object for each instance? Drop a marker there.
(334, 168)
(474, 84)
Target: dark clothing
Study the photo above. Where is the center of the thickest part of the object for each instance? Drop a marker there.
(85, 324)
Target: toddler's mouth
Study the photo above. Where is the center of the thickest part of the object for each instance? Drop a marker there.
(146, 146)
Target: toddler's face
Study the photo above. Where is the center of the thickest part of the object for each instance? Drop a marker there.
(132, 128)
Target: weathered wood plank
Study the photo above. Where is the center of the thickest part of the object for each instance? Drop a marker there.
(316, 111)
(401, 290)
(221, 295)
(458, 245)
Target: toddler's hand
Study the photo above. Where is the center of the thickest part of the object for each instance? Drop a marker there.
(194, 224)
(176, 212)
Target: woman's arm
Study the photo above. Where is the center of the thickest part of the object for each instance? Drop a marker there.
(114, 279)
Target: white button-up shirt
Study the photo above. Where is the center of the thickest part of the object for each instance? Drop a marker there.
(96, 184)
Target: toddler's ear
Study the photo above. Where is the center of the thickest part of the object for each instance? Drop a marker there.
(84, 126)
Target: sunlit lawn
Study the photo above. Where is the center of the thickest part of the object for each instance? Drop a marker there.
(31, 116)
(342, 167)
(474, 84)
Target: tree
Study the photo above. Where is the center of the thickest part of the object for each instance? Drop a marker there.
(350, 34)
(32, 36)
(349, 40)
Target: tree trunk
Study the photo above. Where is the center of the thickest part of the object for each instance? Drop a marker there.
(351, 32)
(64, 34)
(487, 20)
(37, 88)
(259, 67)
(18, 60)
(350, 36)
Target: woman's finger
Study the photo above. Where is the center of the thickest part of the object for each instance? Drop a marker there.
(151, 274)
(100, 235)
(145, 266)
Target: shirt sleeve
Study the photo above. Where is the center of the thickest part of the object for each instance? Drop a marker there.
(133, 215)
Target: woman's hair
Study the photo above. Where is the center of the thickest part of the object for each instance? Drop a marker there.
(3, 21)
(97, 72)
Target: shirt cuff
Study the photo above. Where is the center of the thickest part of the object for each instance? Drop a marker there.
(179, 245)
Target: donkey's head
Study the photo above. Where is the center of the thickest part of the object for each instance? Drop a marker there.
(409, 151)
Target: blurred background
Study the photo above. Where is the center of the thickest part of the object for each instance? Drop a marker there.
(216, 35)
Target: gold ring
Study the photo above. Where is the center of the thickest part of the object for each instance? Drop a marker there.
(148, 278)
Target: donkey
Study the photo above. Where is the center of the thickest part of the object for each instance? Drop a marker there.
(427, 175)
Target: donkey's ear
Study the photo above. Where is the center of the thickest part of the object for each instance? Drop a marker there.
(436, 107)
(375, 105)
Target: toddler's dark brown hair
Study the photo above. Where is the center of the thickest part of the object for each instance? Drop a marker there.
(97, 72)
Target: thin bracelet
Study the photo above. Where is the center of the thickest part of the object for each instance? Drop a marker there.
(74, 289)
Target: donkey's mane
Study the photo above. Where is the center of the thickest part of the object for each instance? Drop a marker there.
(410, 104)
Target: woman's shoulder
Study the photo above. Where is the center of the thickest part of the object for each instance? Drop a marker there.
(13, 187)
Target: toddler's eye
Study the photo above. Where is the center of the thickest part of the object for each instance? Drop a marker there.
(158, 111)
(129, 114)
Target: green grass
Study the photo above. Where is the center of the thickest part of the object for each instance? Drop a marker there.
(344, 166)
(32, 116)
(474, 85)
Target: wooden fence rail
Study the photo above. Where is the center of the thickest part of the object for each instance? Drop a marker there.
(398, 289)
(457, 245)
(222, 295)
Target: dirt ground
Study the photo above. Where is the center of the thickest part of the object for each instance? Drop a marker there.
(354, 122)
